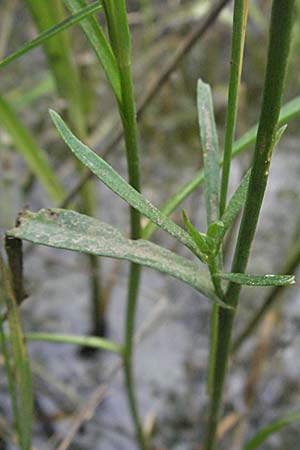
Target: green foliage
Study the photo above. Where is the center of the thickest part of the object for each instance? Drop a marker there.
(51, 32)
(257, 280)
(118, 185)
(262, 435)
(16, 363)
(68, 230)
(87, 341)
(210, 151)
(27, 146)
(102, 49)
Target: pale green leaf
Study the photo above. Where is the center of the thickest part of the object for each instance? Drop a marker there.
(199, 238)
(257, 280)
(87, 341)
(118, 185)
(236, 202)
(289, 111)
(210, 150)
(73, 231)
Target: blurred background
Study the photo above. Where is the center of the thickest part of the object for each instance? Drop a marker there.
(173, 321)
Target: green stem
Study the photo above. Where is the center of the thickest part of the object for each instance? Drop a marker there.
(119, 35)
(130, 134)
(280, 36)
(237, 50)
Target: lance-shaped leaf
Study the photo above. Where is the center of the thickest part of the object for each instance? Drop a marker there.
(200, 239)
(262, 435)
(257, 280)
(51, 32)
(289, 111)
(87, 341)
(21, 384)
(101, 47)
(69, 230)
(210, 150)
(118, 185)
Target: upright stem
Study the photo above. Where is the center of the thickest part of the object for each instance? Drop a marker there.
(279, 43)
(119, 35)
(130, 133)
(237, 50)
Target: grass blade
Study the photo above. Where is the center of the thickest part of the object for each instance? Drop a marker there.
(21, 368)
(31, 152)
(210, 150)
(118, 185)
(87, 341)
(65, 229)
(51, 32)
(257, 280)
(262, 435)
(102, 49)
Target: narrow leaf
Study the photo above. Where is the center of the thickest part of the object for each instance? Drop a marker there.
(210, 150)
(197, 237)
(118, 185)
(257, 280)
(238, 199)
(73, 231)
(26, 145)
(22, 374)
(53, 31)
(102, 49)
(236, 202)
(88, 341)
(289, 111)
(262, 435)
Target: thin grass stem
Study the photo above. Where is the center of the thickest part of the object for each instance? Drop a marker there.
(121, 44)
(279, 43)
(237, 50)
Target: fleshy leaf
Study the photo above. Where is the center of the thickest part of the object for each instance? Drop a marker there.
(69, 230)
(118, 185)
(257, 280)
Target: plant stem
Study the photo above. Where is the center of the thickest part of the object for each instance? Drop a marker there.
(130, 134)
(279, 43)
(119, 35)
(237, 50)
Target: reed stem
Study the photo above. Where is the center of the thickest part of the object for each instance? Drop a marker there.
(279, 44)
(119, 35)
(240, 15)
